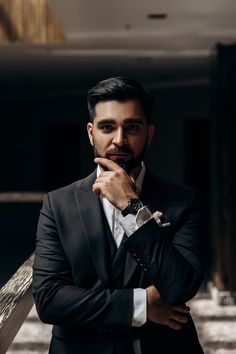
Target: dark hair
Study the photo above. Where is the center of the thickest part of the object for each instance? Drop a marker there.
(119, 89)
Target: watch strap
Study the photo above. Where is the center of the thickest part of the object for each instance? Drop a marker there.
(132, 207)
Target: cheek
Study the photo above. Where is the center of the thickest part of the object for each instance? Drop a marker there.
(137, 145)
(101, 142)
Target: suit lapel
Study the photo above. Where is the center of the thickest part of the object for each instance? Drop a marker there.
(151, 195)
(91, 218)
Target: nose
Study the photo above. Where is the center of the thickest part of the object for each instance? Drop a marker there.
(120, 137)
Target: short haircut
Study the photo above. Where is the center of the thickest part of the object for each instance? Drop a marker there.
(119, 89)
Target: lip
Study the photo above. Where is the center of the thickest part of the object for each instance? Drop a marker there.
(119, 154)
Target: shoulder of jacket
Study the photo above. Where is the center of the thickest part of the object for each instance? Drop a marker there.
(70, 188)
(174, 189)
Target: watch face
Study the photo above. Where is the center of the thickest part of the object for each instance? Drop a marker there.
(135, 205)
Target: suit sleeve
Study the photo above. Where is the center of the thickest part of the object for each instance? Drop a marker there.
(59, 301)
(171, 258)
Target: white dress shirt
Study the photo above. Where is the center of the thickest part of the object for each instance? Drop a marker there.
(128, 225)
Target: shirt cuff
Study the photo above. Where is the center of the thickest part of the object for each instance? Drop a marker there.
(139, 307)
(130, 223)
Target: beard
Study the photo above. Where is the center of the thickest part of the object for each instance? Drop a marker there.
(128, 165)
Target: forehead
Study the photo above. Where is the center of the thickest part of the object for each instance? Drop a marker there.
(119, 110)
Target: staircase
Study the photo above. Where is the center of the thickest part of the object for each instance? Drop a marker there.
(33, 337)
(216, 326)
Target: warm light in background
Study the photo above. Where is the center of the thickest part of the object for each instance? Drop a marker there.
(30, 21)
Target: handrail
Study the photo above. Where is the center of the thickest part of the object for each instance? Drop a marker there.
(21, 197)
(15, 303)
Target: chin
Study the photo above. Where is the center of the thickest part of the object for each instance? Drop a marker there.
(127, 165)
(120, 162)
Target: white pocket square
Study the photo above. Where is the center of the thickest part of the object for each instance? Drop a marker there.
(157, 216)
(165, 224)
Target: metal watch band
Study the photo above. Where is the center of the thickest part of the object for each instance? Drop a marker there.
(133, 207)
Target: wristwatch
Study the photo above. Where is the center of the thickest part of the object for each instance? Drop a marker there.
(133, 207)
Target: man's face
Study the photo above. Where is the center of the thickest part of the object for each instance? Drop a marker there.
(120, 132)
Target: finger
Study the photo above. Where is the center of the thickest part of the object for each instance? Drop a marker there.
(105, 179)
(184, 309)
(174, 325)
(179, 318)
(100, 179)
(106, 174)
(97, 189)
(157, 217)
(111, 165)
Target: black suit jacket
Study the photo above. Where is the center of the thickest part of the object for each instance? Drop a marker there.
(71, 273)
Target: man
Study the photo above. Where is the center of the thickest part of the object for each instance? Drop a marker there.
(118, 253)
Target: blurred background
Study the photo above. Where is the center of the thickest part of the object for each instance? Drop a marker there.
(52, 52)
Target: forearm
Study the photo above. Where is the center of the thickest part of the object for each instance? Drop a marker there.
(69, 305)
(174, 274)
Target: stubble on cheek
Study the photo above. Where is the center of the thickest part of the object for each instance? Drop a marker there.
(97, 153)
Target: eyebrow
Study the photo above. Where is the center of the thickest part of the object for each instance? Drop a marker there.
(128, 120)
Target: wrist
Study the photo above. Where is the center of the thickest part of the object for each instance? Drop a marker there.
(153, 295)
(132, 206)
(123, 203)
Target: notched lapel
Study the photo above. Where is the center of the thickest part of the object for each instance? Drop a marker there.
(91, 218)
(150, 193)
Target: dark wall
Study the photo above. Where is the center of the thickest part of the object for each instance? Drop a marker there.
(176, 110)
(44, 143)
(43, 138)
(17, 235)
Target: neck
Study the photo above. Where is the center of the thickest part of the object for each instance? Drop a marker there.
(135, 172)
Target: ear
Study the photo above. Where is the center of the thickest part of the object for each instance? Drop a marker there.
(90, 132)
(151, 130)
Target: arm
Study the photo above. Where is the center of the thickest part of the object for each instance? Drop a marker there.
(158, 310)
(172, 262)
(154, 307)
(58, 300)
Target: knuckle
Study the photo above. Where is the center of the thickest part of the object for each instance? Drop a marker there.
(182, 319)
(177, 327)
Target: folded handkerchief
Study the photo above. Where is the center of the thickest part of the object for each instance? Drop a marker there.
(157, 216)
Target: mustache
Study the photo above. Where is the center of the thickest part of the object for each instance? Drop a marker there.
(119, 149)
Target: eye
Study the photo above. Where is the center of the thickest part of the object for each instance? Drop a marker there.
(106, 128)
(133, 128)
